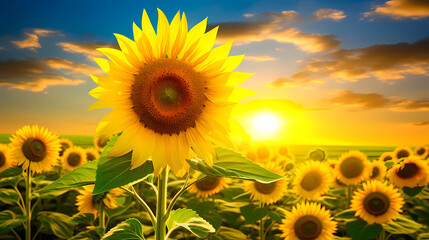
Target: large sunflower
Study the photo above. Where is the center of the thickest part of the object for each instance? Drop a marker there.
(412, 172)
(36, 149)
(267, 193)
(312, 179)
(378, 170)
(73, 157)
(6, 160)
(88, 203)
(308, 221)
(377, 202)
(208, 186)
(402, 152)
(170, 91)
(352, 168)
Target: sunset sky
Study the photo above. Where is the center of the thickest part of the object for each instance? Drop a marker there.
(333, 72)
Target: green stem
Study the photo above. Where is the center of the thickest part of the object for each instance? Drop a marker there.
(144, 204)
(101, 217)
(28, 205)
(382, 234)
(16, 234)
(349, 195)
(185, 186)
(161, 204)
(261, 226)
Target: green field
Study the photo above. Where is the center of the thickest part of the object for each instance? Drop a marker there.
(301, 152)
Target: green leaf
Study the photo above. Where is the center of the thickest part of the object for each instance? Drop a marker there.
(276, 216)
(8, 196)
(38, 179)
(8, 220)
(115, 172)
(423, 236)
(84, 218)
(412, 191)
(253, 213)
(57, 224)
(11, 172)
(189, 220)
(80, 176)
(226, 233)
(402, 225)
(361, 230)
(346, 215)
(85, 235)
(130, 229)
(10, 181)
(389, 163)
(233, 165)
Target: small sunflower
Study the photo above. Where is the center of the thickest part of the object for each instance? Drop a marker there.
(387, 156)
(65, 144)
(267, 193)
(308, 221)
(289, 166)
(318, 155)
(422, 151)
(251, 155)
(91, 154)
(352, 167)
(412, 172)
(100, 141)
(378, 171)
(170, 91)
(6, 160)
(283, 150)
(312, 179)
(283, 161)
(208, 186)
(36, 149)
(73, 157)
(263, 153)
(88, 203)
(377, 202)
(402, 152)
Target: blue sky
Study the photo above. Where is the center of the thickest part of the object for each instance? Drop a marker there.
(365, 61)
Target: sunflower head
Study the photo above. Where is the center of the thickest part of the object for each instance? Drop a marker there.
(6, 160)
(402, 152)
(312, 179)
(100, 141)
(352, 167)
(251, 155)
(73, 157)
(411, 172)
(422, 151)
(208, 186)
(308, 221)
(65, 144)
(35, 149)
(377, 202)
(283, 150)
(267, 193)
(378, 170)
(88, 203)
(263, 153)
(387, 156)
(91, 154)
(318, 155)
(172, 94)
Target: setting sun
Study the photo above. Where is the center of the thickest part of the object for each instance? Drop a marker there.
(264, 125)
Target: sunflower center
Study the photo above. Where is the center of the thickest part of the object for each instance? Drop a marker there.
(263, 152)
(208, 183)
(308, 227)
(376, 203)
(387, 158)
(74, 159)
(168, 96)
(317, 155)
(34, 150)
(375, 172)
(64, 146)
(90, 157)
(102, 141)
(311, 181)
(283, 151)
(289, 166)
(2, 159)
(265, 188)
(351, 167)
(421, 151)
(402, 154)
(408, 171)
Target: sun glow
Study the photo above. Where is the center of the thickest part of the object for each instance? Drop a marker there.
(265, 124)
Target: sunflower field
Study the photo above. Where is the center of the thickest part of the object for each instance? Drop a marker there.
(162, 164)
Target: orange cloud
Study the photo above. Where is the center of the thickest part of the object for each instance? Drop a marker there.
(39, 84)
(31, 42)
(421, 123)
(375, 100)
(400, 9)
(86, 48)
(259, 58)
(326, 13)
(296, 80)
(74, 67)
(44, 32)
